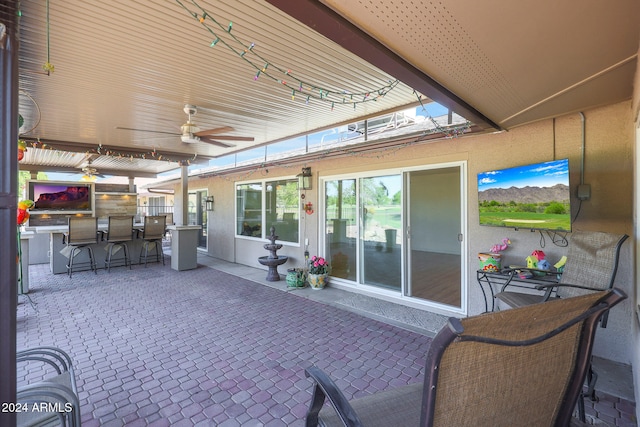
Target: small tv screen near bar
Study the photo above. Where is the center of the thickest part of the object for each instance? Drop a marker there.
(61, 197)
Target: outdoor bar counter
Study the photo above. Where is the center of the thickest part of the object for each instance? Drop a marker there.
(184, 246)
(58, 261)
(184, 242)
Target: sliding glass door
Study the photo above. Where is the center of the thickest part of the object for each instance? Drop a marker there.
(399, 233)
(363, 229)
(435, 239)
(198, 215)
(381, 231)
(341, 227)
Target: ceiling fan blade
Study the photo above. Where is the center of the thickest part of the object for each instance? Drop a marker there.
(170, 137)
(233, 138)
(147, 130)
(214, 131)
(214, 142)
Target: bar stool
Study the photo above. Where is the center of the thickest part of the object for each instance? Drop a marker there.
(166, 239)
(83, 232)
(154, 228)
(120, 232)
(169, 217)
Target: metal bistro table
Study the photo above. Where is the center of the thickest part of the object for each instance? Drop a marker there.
(511, 276)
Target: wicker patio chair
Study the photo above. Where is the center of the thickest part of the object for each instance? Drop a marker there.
(53, 400)
(592, 264)
(524, 366)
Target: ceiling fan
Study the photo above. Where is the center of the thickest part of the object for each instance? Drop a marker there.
(90, 173)
(190, 133)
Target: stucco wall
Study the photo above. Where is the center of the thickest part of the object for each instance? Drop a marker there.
(608, 169)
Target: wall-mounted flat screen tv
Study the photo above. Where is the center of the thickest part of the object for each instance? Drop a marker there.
(61, 197)
(534, 196)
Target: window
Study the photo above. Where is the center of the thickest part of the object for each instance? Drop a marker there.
(282, 210)
(249, 210)
(424, 119)
(262, 205)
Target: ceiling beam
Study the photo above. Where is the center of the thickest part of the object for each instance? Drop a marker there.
(84, 147)
(325, 21)
(101, 171)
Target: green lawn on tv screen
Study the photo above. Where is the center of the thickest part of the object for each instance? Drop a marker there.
(526, 220)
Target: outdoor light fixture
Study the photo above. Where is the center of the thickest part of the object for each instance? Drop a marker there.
(304, 179)
(209, 202)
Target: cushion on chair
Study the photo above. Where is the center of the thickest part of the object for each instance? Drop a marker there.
(397, 407)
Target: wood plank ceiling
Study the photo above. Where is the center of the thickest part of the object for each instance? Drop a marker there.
(135, 64)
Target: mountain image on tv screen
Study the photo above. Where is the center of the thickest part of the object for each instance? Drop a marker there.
(69, 198)
(535, 196)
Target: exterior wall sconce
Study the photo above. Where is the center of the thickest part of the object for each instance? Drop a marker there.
(209, 202)
(304, 179)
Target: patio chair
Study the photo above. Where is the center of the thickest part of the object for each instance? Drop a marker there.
(82, 233)
(54, 400)
(167, 233)
(524, 366)
(169, 217)
(120, 232)
(592, 264)
(154, 229)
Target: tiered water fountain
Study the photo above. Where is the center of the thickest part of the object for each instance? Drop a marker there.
(273, 260)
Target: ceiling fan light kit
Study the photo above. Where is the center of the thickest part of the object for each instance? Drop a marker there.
(189, 138)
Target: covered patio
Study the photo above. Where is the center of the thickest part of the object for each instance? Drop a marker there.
(219, 345)
(139, 89)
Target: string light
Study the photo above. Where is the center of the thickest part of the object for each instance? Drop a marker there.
(449, 132)
(260, 64)
(48, 67)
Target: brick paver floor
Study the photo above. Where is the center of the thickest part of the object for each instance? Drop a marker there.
(153, 346)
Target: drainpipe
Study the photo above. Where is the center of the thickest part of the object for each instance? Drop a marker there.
(584, 190)
(582, 147)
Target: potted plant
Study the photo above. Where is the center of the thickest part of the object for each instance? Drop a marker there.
(296, 277)
(318, 272)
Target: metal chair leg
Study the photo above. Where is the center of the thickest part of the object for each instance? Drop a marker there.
(592, 378)
(92, 260)
(77, 250)
(70, 264)
(144, 251)
(581, 411)
(126, 255)
(107, 262)
(161, 251)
